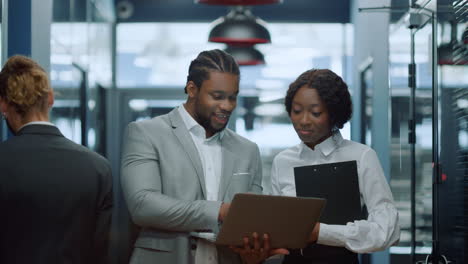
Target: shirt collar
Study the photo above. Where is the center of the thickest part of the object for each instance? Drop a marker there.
(193, 125)
(37, 123)
(326, 147)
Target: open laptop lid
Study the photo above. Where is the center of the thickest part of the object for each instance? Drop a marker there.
(338, 184)
(288, 220)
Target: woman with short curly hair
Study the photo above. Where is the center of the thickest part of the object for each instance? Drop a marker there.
(319, 104)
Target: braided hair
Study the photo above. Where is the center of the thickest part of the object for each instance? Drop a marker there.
(211, 60)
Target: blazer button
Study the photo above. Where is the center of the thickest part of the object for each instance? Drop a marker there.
(193, 246)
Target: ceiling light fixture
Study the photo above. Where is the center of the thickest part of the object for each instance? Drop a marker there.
(246, 55)
(240, 30)
(239, 27)
(453, 52)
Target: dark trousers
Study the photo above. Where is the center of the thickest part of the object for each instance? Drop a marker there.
(320, 254)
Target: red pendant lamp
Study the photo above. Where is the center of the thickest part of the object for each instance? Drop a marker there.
(453, 52)
(239, 27)
(465, 36)
(246, 55)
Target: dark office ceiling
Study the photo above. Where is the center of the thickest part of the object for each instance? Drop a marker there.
(311, 11)
(315, 11)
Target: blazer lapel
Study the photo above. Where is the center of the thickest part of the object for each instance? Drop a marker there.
(229, 159)
(186, 141)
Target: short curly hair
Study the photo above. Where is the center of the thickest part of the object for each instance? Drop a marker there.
(332, 90)
(24, 84)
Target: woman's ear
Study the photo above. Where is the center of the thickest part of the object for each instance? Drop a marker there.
(50, 98)
(3, 107)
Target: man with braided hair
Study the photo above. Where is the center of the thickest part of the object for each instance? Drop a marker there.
(55, 195)
(181, 170)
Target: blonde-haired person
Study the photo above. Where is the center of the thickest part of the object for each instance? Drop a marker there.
(55, 195)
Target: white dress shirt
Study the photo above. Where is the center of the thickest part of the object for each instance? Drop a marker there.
(381, 229)
(209, 150)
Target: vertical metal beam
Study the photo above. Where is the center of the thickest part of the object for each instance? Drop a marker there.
(435, 256)
(120, 241)
(84, 113)
(412, 142)
(16, 28)
(16, 36)
(371, 32)
(41, 21)
(26, 31)
(435, 144)
(414, 23)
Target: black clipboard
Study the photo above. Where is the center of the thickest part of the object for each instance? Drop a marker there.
(337, 183)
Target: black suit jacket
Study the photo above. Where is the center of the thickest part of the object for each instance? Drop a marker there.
(55, 199)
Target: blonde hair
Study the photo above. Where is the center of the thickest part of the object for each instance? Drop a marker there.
(24, 84)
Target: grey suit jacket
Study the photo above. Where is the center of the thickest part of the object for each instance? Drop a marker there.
(163, 183)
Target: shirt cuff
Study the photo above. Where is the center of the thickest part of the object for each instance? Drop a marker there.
(331, 235)
(213, 213)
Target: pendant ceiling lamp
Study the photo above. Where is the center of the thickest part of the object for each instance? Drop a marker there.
(445, 54)
(465, 36)
(453, 52)
(238, 2)
(239, 27)
(246, 55)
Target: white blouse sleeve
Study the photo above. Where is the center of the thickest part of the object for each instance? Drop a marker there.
(381, 229)
(275, 185)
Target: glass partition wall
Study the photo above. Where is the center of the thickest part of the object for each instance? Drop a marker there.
(440, 109)
(453, 128)
(402, 163)
(81, 70)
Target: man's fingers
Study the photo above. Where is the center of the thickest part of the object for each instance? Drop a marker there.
(266, 242)
(256, 241)
(257, 253)
(246, 243)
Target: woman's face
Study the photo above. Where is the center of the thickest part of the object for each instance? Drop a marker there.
(309, 116)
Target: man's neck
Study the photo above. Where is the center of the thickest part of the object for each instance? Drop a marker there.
(190, 110)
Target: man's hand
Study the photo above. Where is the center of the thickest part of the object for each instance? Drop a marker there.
(223, 211)
(315, 233)
(257, 254)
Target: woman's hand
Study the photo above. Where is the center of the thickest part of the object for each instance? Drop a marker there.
(315, 233)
